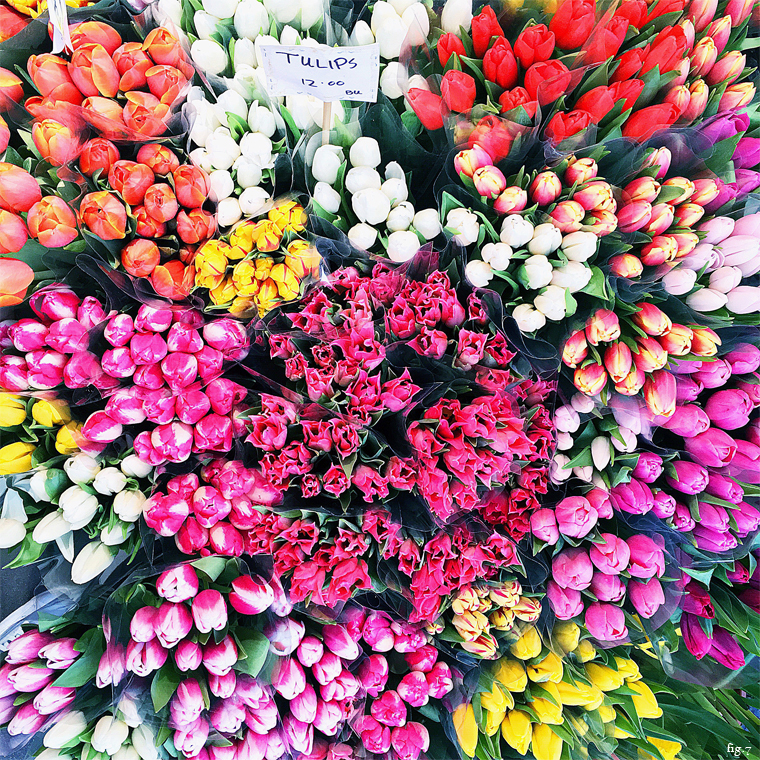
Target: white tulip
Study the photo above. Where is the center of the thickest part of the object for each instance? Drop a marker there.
(251, 19)
(261, 119)
(551, 303)
(222, 148)
(257, 147)
(327, 197)
(67, 727)
(52, 526)
(231, 102)
(381, 11)
(365, 152)
(247, 172)
(362, 236)
(418, 82)
(456, 13)
(128, 505)
(326, 164)
(133, 467)
(109, 735)
(201, 159)
(289, 36)
(283, 11)
(565, 441)
(81, 468)
(528, 319)
(117, 534)
(169, 10)
(228, 212)
(427, 223)
(261, 41)
(52, 754)
(402, 245)
(144, 741)
(705, 300)
(516, 231)
(579, 246)
(12, 532)
(390, 80)
(478, 273)
(628, 444)
(91, 562)
(221, 8)
(464, 224)
(725, 279)
(600, 452)
(109, 481)
(558, 471)
(37, 485)
(245, 82)
(416, 19)
(536, 272)
(679, 281)
(396, 190)
(584, 473)
(126, 753)
(78, 507)
(209, 56)
(205, 24)
(744, 300)
(316, 111)
(253, 201)
(400, 217)
(582, 403)
(498, 255)
(394, 170)
(360, 178)
(390, 37)
(371, 205)
(574, 276)
(361, 34)
(401, 5)
(546, 239)
(566, 419)
(311, 12)
(221, 185)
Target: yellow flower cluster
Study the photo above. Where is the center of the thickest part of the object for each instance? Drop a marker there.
(34, 8)
(541, 694)
(244, 275)
(481, 609)
(17, 456)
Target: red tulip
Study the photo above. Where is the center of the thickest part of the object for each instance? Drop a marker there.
(485, 26)
(130, 180)
(11, 22)
(448, 44)
(564, 125)
(48, 72)
(597, 102)
(634, 10)
(534, 44)
(641, 125)
(458, 90)
(499, 64)
(97, 155)
(605, 41)
(173, 280)
(629, 64)
(428, 107)
(573, 23)
(545, 81)
(516, 98)
(627, 91)
(666, 51)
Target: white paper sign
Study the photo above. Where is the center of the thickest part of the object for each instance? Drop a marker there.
(59, 18)
(327, 73)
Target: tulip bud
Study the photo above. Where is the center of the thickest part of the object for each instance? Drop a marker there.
(91, 562)
(545, 188)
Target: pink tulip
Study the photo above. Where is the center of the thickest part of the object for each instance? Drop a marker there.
(111, 666)
(209, 611)
(565, 602)
(45, 369)
(184, 337)
(288, 678)
(285, 635)
(572, 569)
(327, 669)
(28, 335)
(263, 717)
(224, 395)
(304, 705)
(165, 514)
(410, 741)
(607, 588)
(251, 595)
(153, 320)
(725, 649)
(219, 658)
(710, 540)
(68, 336)
(389, 709)
(575, 516)
(688, 477)
(26, 648)
(713, 448)
(329, 717)
(543, 525)
(377, 632)
(143, 659)
(173, 441)
(222, 686)
(188, 655)
(647, 558)
(227, 540)
(27, 678)
(27, 721)
(440, 680)
(142, 627)
(191, 405)
(647, 597)
(191, 537)
(375, 737)
(229, 337)
(338, 641)
(423, 659)
(687, 421)
(210, 363)
(59, 654)
(664, 505)
(227, 716)
(173, 623)
(310, 651)
(178, 584)
(612, 556)
(189, 740)
(747, 519)
(413, 689)
(53, 698)
(101, 428)
(605, 622)
(147, 348)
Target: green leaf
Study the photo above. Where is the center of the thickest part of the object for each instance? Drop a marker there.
(253, 653)
(597, 285)
(213, 566)
(92, 645)
(163, 686)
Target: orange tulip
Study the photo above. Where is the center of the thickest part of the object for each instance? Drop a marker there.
(48, 72)
(140, 257)
(19, 191)
(15, 277)
(130, 180)
(173, 279)
(11, 89)
(660, 393)
(632, 383)
(160, 159)
(147, 226)
(195, 226)
(166, 83)
(590, 379)
(95, 32)
(13, 232)
(104, 215)
(52, 222)
(93, 71)
(56, 142)
(11, 22)
(160, 201)
(163, 47)
(146, 114)
(132, 62)
(106, 115)
(97, 155)
(191, 185)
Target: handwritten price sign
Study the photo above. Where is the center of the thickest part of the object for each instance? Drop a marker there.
(337, 73)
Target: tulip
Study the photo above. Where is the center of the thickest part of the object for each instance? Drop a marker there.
(13, 232)
(489, 181)
(590, 379)
(499, 64)
(545, 188)
(660, 393)
(19, 191)
(605, 622)
(465, 724)
(52, 222)
(16, 457)
(103, 215)
(91, 562)
(209, 611)
(516, 729)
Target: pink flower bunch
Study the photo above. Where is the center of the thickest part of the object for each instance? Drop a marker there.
(173, 362)
(609, 572)
(54, 345)
(28, 697)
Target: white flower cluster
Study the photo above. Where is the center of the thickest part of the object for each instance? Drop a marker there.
(375, 201)
(533, 246)
(74, 489)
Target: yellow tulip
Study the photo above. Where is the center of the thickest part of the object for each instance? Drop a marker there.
(303, 259)
(51, 413)
(244, 278)
(16, 457)
(493, 721)
(546, 745)
(528, 645)
(604, 677)
(517, 730)
(288, 216)
(242, 236)
(645, 701)
(497, 699)
(527, 609)
(506, 595)
(565, 636)
(465, 601)
(266, 299)
(628, 668)
(241, 305)
(224, 292)
(502, 619)
(547, 711)
(511, 673)
(466, 727)
(12, 410)
(266, 236)
(607, 713)
(580, 694)
(585, 651)
(549, 669)
(470, 624)
(580, 726)
(668, 749)
(68, 437)
(288, 286)
(485, 646)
